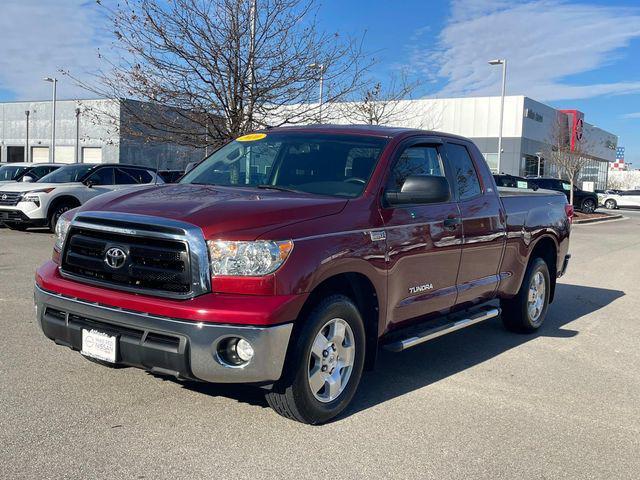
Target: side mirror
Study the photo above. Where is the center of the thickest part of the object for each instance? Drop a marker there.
(28, 179)
(420, 189)
(89, 183)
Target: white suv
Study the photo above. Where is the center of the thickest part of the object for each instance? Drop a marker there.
(26, 171)
(24, 205)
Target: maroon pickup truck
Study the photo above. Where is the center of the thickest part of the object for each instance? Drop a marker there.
(288, 257)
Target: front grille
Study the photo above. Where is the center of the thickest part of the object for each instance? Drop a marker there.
(151, 265)
(9, 199)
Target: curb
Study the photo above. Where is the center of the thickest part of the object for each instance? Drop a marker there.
(608, 218)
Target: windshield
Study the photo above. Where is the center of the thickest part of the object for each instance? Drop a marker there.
(336, 165)
(10, 172)
(70, 173)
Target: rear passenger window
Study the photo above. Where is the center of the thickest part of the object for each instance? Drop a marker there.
(418, 160)
(464, 172)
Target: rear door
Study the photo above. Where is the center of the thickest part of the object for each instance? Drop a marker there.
(423, 240)
(483, 227)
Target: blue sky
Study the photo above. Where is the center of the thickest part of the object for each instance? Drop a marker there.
(571, 54)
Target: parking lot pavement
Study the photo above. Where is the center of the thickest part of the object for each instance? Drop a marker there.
(480, 403)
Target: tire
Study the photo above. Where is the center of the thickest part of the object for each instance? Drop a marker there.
(589, 205)
(517, 315)
(16, 226)
(293, 396)
(611, 204)
(55, 213)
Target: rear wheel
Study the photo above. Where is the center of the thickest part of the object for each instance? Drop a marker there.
(589, 205)
(527, 310)
(324, 365)
(611, 204)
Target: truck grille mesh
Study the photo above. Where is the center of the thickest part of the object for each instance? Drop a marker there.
(151, 264)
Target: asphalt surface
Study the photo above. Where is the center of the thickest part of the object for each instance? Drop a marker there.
(480, 403)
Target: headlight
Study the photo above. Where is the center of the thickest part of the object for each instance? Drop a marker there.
(62, 228)
(31, 198)
(247, 258)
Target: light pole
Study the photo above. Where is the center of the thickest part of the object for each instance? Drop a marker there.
(503, 62)
(320, 68)
(26, 142)
(52, 156)
(539, 155)
(78, 111)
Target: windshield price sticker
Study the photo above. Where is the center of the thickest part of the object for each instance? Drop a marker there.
(252, 137)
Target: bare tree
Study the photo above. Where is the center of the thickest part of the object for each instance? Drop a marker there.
(205, 71)
(567, 155)
(378, 104)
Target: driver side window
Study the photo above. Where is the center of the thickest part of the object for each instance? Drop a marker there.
(416, 160)
(102, 176)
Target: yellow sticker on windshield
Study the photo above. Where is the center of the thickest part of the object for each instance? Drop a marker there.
(252, 137)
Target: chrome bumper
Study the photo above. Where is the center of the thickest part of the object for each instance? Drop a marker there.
(162, 345)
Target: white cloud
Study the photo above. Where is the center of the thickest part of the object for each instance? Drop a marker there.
(39, 37)
(634, 115)
(544, 41)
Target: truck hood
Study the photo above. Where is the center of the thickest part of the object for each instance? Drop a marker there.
(236, 213)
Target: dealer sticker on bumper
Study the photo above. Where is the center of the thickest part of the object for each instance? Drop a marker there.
(98, 345)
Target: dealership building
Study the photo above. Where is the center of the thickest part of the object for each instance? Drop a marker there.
(528, 132)
(86, 131)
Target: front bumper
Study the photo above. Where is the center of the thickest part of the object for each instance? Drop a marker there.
(162, 345)
(16, 216)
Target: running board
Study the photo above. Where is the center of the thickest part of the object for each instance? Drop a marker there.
(440, 330)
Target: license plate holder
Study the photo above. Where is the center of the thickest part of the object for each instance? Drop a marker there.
(99, 345)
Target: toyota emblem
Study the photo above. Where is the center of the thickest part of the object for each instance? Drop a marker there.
(115, 257)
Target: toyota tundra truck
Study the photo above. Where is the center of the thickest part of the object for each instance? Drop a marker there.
(289, 257)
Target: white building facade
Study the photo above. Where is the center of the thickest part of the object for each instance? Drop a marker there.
(527, 133)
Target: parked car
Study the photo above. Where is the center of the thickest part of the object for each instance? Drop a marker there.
(511, 181)
(26, 172)
(624, 198)
(361, 237)
(584, 201)
(24, 205)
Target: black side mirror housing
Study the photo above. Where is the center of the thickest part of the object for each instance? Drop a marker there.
(420, 189)
(89, 183)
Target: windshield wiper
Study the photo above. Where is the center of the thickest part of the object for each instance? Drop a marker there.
(277, 187)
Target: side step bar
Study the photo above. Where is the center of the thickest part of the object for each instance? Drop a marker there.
(430, 334)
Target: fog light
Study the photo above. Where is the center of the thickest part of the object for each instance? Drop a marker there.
(244, 350)
(235, 352)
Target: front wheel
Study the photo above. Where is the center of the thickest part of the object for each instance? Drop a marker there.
(589, 205)
(55, 215)
(527, 310)
(611, 204)
(324, 365)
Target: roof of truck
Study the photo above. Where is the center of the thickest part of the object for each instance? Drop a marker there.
(371, 130)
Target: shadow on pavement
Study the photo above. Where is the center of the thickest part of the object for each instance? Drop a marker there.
(400, 373)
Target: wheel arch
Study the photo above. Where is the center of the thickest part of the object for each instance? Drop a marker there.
(362, 292)
(546, 247)
(62, 199)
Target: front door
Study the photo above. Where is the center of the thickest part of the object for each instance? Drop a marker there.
(423, 240)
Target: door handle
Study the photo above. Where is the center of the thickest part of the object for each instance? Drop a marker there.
(451, 223)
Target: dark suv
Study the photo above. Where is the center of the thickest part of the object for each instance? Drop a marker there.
(584, 201)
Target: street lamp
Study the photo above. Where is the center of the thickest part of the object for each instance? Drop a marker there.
(539, 156)
(54, 82)
(320, 68)
(503, 62)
